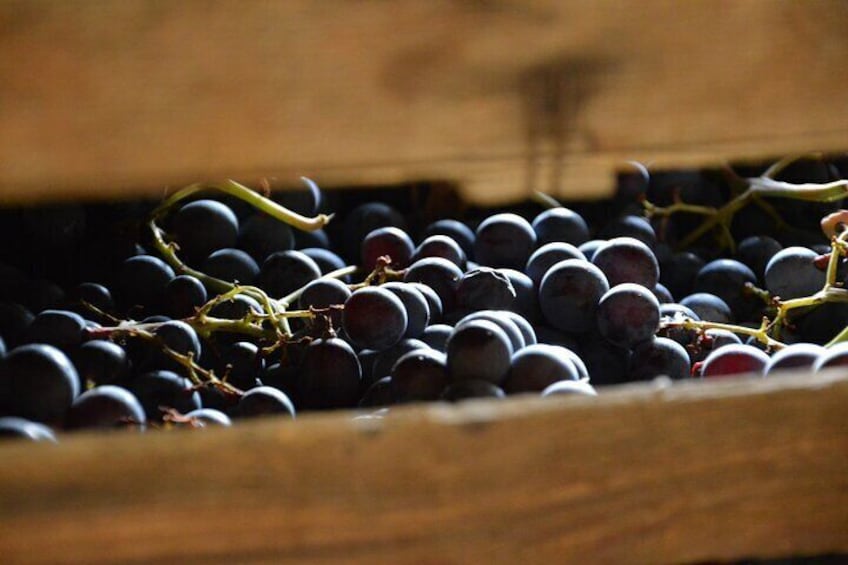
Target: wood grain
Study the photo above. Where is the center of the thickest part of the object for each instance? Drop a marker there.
(642, 474)
(499, 96)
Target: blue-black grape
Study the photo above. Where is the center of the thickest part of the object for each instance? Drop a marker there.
(419, 375)
(436, 336)
(795, 356)
(37, 382)
(416, 305)
(439, 274)
(478, 350)
(560, 224)
(101, 362)
(142, 281)
(201, 227)
(708, 307)
(388, 241)
(12, 427)
(440, 246)
(484, 289)
(504, 240)
(756, 251)
(183, 295)
(330, 375)
(106, 406)
(727, 279)
(457, 231)
(161, 390)
(537, 366)
(261, 235)
(547, 256)
(231, 265)
(374, 318)
(569, 295)
(656, 357)
(792, 273)
(577, 388)
(471, 388)
(60, 328)
(284, 272)
(627, 314)
(265, 401)
(625, 259)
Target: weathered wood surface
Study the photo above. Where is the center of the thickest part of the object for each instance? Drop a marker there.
(499, 96)
(639, 475)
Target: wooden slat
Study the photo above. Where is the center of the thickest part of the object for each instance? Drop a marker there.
(499, 96)
(641, 474)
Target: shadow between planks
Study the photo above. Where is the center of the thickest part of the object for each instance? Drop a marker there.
(642, 474)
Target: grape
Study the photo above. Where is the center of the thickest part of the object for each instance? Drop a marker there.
(323, 293)
(315, 239)
(679, 271)
(160, 389)
(537, 366)
(265, 401)
(504, 240)
(201, 227)
(59, 328)
(627, 314)
(547, 256)
(439, 274)
(484, 289)
(440, 246)
(734, 359)
(526, 301)
(455, 230)
(326, 260)
(708, 307)
(94, 294)
(503, 321)
(390, 241)
(569, 295)
(659, 356)
(374, 318)
(12, 427)
(709, 341)
(177, 336)
(434, 303)
(261, 235)
(241, 363)
(419, 375)
(527, 333)
(726, 278)
(631, 226)
(236, 308)
(379, 395)
(284, 272)
(386, 359)
(472, 388)
(625, 259)
(142, 281)
(478, 349)
(756, 251)
(836, 356)
(436, 336)
(101, 363)
(416, 305)
(231, 265)
(106, 406)
(304, 200)
(588, 249)
(795, 356)
(330, 374)
(560, 224)
(183, 295)
(37, 382)
(14, 322)
(579, 388)
(792, 273)
(364, 219)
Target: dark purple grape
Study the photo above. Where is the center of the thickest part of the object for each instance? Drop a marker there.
(569, 295)
(469, 389)
(37, 382)
(40, 294)
(416, 305)
(484, 289)
(635, 227)
(662, 293)
(560, 224)
(241, 364)
(419, 376)
(625, 259)
(679, 271)
(374, 318)
(59, 328)
(92, 294)
(834, 356)
(733, 360)
(14, 323)
(378, 395)
(578, 388)
(324, 293)
(708, 307)
(547, 256)
(504, 240)
(364, 219)
(795, 356)
(201, 227)
(627, 314)
(537, 366)
(434, 303)
(158, 390)
(457, 231)
(305, 199)
(386, 359)
(792, 273)
(106, 406)
(727, 279)
(12, 427)
(588, 249)
(231, 265)
(284, 272)
(177, 336)
(330, 375)
(709, 341)
(440, 246)
(502, 320)
(656, 357)
(439, 274)
(388, 241)
(183, 295)
(607, 363)
(326, 260)
(478, 350)
(756, 251)
(436, 336)
(102, 363)
(526, 329)
(236, 308)
(208, 417)
(526, 301)
(142, 281)
(261, 235)
(265, 401)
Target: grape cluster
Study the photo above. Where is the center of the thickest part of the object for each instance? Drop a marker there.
(220, 304)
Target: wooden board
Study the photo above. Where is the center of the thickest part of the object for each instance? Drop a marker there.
(501, 97)
(642, 474)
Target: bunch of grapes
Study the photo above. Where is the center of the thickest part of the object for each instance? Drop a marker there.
(221, 303)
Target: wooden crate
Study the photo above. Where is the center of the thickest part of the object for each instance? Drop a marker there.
(501, 98)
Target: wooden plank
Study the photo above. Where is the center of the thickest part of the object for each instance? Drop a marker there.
(642, 474)
(502, 97)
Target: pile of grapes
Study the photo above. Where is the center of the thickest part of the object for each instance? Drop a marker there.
(222, 303)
